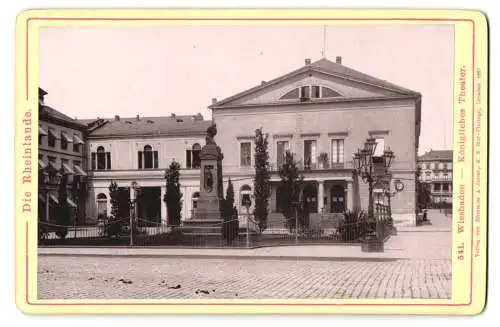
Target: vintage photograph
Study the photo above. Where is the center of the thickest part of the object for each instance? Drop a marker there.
(245, 162)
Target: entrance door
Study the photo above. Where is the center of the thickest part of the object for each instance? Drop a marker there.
(337, 199)
(311, 199)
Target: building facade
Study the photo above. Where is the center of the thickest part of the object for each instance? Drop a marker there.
(61, 153)
(323, 112)
(140, 149)
(436, 171)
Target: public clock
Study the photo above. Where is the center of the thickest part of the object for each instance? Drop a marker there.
(398, 185)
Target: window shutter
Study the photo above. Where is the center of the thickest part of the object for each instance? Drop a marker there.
(188, 158)
(93, 160)
(139, 158)
(155, 153)
(108, 155)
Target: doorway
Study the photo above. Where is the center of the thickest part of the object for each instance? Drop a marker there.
(337, 199)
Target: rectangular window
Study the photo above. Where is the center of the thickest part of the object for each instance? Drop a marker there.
(379, 147)
(315, 92)
(437, 187)
(304, 92)
(155, 159)
(446, 187)
(245, 154)
(436, 165)
(76, 147)
(40, 139)
(94, 158)
(428, 165)
(65, 139)
(309, 154)
(52, 138)
(337, 151)
(188, 159)
(281, 148)
(139, 159)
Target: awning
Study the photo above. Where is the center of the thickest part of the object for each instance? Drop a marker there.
(42, 131)
(77, 140)
(53, 165)
(41, 164)
(71, 203)
(53, 198)
(67, 169)
(79, 170)
(54, 134)
(66, 137)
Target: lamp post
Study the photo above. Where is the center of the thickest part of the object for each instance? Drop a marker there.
(365, 163)
(136, 188)
(247, 202)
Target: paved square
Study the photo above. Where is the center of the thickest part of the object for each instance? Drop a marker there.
(83, 277)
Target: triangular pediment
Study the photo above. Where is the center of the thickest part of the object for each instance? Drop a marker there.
(319, 81)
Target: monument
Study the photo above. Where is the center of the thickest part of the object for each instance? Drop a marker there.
(208, 210)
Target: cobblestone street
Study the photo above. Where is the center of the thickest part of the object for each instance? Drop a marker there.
(146, 278)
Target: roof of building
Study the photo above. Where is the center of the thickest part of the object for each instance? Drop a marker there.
(150, 126)
(436, 155)
(326, 66)
(48, 113)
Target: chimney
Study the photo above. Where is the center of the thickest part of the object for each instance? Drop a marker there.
(199, 116)
(263, 82)
(338, 60)
(172, 115)
(137, 118)
(117, 118)
(308, 61)
(214, 100)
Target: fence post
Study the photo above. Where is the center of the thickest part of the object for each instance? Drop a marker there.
(296, 225)
(131, 225)
(248, 227)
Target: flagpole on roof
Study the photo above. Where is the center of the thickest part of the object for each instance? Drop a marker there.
(323, 52)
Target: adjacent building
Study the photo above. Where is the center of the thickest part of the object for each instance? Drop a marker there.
(61, 151)
(436, 171)
(138, 150)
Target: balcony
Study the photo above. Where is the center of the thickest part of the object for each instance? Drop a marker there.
(327, 166)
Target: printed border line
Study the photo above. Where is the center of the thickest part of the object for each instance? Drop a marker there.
(264, 19)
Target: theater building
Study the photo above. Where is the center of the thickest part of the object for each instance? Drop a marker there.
(322, 112)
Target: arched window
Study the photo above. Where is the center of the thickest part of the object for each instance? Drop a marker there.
(193, 157)
(245, 194)
(148, 158)
(101, 158)
(310, 92)
(102, 205)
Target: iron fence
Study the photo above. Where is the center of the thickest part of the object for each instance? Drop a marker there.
(238, 232)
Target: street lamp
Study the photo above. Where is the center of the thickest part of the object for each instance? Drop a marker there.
(135, 186)
(365, 163)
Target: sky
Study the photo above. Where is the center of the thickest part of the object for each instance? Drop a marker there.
(92, 72)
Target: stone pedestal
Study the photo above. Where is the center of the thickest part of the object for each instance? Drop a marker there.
(208, 211)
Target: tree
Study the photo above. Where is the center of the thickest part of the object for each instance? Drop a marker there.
(115, 224)
(262, 190)
(290, 185)
(63, 212)
(173, 195)
(230, 224)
